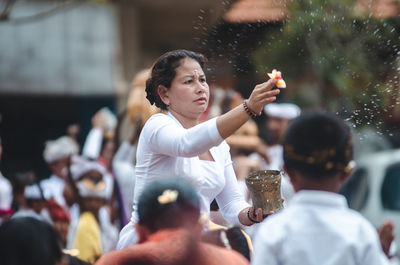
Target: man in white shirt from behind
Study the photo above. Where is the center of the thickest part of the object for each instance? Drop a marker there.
(317, 228)
(35, 205)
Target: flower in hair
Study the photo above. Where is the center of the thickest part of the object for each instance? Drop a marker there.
(168, 196)
(277, 75)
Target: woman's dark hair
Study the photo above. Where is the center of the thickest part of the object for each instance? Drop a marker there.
(158, 208)
(235, 237)
(163, 72)
(318, 145)
(26, 240)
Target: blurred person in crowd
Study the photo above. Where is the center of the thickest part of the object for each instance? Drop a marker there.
(317, 227)
(169, 230)
(56, 155)
(107, 152)
(175, 144)
(27, 240)
(5, 194)
(124, 170)
(19, 182)
(139, 110)
(34, 205)
(91, 230)
(100, 145)
(72, 132)
(279, 116)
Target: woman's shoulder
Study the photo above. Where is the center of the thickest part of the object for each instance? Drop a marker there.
(158, 116)
(158, 120)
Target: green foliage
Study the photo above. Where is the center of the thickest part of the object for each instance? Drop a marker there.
(334, 55)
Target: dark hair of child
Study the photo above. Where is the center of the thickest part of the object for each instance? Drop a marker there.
(317, 145)
(181, 211)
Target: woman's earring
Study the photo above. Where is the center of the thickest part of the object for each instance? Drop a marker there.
(167, 105)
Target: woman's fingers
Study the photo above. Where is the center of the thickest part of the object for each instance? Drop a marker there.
(260, 215)
(256, 214)
(262, 94)
(267, 85)
(268, 100)
(269, 93)
(266, 94)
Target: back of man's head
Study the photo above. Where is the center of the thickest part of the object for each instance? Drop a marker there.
(317, 145)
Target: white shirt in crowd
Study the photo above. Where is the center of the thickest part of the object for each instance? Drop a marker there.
(53, 187)
(122, 166)
(124, 172)
(92, 146)
(5, 193)
(167, 150)
(109, 233)
(317, 228)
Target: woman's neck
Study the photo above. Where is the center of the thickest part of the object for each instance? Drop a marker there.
(186, 122)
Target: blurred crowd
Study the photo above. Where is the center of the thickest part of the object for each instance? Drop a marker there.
(88, 198)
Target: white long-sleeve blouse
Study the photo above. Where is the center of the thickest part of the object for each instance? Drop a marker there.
(166, 149)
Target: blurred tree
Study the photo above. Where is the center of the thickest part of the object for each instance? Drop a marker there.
(335, 57)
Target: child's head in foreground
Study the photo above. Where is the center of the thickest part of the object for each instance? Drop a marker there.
(168, 204)
(318, 152)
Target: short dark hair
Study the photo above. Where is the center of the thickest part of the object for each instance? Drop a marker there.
(156, 215)
(27, 240)
(163, 72)
(318, 145)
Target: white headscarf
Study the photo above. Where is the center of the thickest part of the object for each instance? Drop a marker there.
(32, 192)
(103, 189)
(81, 165)
(282, 110)
(59, 148)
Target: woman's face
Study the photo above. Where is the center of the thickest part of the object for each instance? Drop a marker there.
(189, 92)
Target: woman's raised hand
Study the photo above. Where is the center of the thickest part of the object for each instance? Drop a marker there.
(262, 94)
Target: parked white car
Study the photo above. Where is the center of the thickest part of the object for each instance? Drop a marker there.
(374, 189)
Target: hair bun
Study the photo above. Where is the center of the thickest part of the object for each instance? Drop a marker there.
(149, 91)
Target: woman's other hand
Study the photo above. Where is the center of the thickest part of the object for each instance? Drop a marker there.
(249, 217)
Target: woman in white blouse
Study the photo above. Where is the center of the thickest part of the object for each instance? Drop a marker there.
(175, 144)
